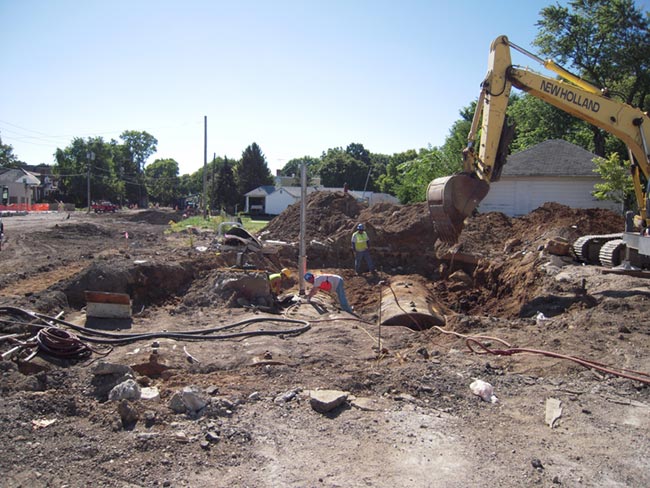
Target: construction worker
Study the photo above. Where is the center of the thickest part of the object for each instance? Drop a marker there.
(360, 242)
(278, 281)
(327, 283)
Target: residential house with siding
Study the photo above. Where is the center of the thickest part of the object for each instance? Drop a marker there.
(552, 171)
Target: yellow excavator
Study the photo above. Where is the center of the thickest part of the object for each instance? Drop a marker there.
(452, 199)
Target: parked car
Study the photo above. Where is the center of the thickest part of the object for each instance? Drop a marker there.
(104, 206)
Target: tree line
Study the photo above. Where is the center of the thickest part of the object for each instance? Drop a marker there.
(605, 42)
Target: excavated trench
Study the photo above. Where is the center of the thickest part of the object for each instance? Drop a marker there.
(194, 283)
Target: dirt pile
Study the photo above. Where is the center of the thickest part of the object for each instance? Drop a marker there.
(155, 216)
(326, 214)
(511, 270)
(401, 234)
(487, 234)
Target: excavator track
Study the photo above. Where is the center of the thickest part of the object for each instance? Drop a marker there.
(587, 248)
(612, 253)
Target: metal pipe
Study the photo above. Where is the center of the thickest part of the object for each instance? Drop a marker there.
(302, 256)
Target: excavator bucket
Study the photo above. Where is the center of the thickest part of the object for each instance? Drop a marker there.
(452, 199)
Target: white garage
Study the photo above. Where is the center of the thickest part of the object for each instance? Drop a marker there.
(552, 171)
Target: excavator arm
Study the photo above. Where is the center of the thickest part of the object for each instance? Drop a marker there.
(451, 199)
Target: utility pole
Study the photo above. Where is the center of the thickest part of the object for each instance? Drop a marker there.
(90, 156)
(205, 166)
(302, 254)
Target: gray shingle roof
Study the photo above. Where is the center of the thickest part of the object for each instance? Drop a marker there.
(551, 158)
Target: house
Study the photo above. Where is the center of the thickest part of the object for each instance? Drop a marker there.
(271, 200)
(256, 199)
(552, 171)
(49, 182)
(18, 186)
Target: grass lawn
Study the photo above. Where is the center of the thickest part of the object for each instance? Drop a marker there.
(252, 226)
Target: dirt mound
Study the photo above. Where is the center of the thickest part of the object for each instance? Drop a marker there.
(71, 231)
(154, 216)
(509, 275)
(489, 233)
(326, 213)
(401, 234)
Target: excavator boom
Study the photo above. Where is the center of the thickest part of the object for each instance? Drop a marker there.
(452, 199)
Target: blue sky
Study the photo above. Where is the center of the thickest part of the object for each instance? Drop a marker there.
(296, 77)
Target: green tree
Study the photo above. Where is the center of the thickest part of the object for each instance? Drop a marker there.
(358, 152)
(607, 42)
(162, 182)
(7, 157)
(617, 185)
(225, 194)
(537, 121)
(73, 164)
(415, 175)
(339, 167)
(140, 145)
(252, 170)
(293, 168)
(390, 180)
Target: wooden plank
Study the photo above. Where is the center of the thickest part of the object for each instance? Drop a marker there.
(107, 297)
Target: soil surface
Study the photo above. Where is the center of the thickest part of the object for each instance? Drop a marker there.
(210, 383)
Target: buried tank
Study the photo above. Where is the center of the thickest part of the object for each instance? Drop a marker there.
(246, 289)
(408, 303)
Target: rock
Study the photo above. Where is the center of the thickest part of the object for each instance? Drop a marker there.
(128, 413)
(286, 397)
(324, 401)
(127, 390)
(212, 436)
(511, 244)
(190, 400)
(558, 246)
(484, 390)
(537, 464)
(104, 368)
(461, 277)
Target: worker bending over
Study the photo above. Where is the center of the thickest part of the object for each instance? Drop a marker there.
(328, 283)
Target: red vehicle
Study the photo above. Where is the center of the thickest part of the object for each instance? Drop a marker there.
(105, 206)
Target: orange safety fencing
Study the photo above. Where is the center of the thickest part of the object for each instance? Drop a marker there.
(34, 207)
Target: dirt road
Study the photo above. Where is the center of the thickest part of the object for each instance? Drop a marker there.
(237, 411)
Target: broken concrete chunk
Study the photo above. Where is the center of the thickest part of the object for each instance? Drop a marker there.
(553, 411)
(149, 393)
(324, 401)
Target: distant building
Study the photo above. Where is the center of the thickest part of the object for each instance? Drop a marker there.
(19, 186)
(552, 171)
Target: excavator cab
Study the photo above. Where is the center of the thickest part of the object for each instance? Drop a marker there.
(451, 200)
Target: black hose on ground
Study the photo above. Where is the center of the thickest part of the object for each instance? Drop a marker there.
(103, 337)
